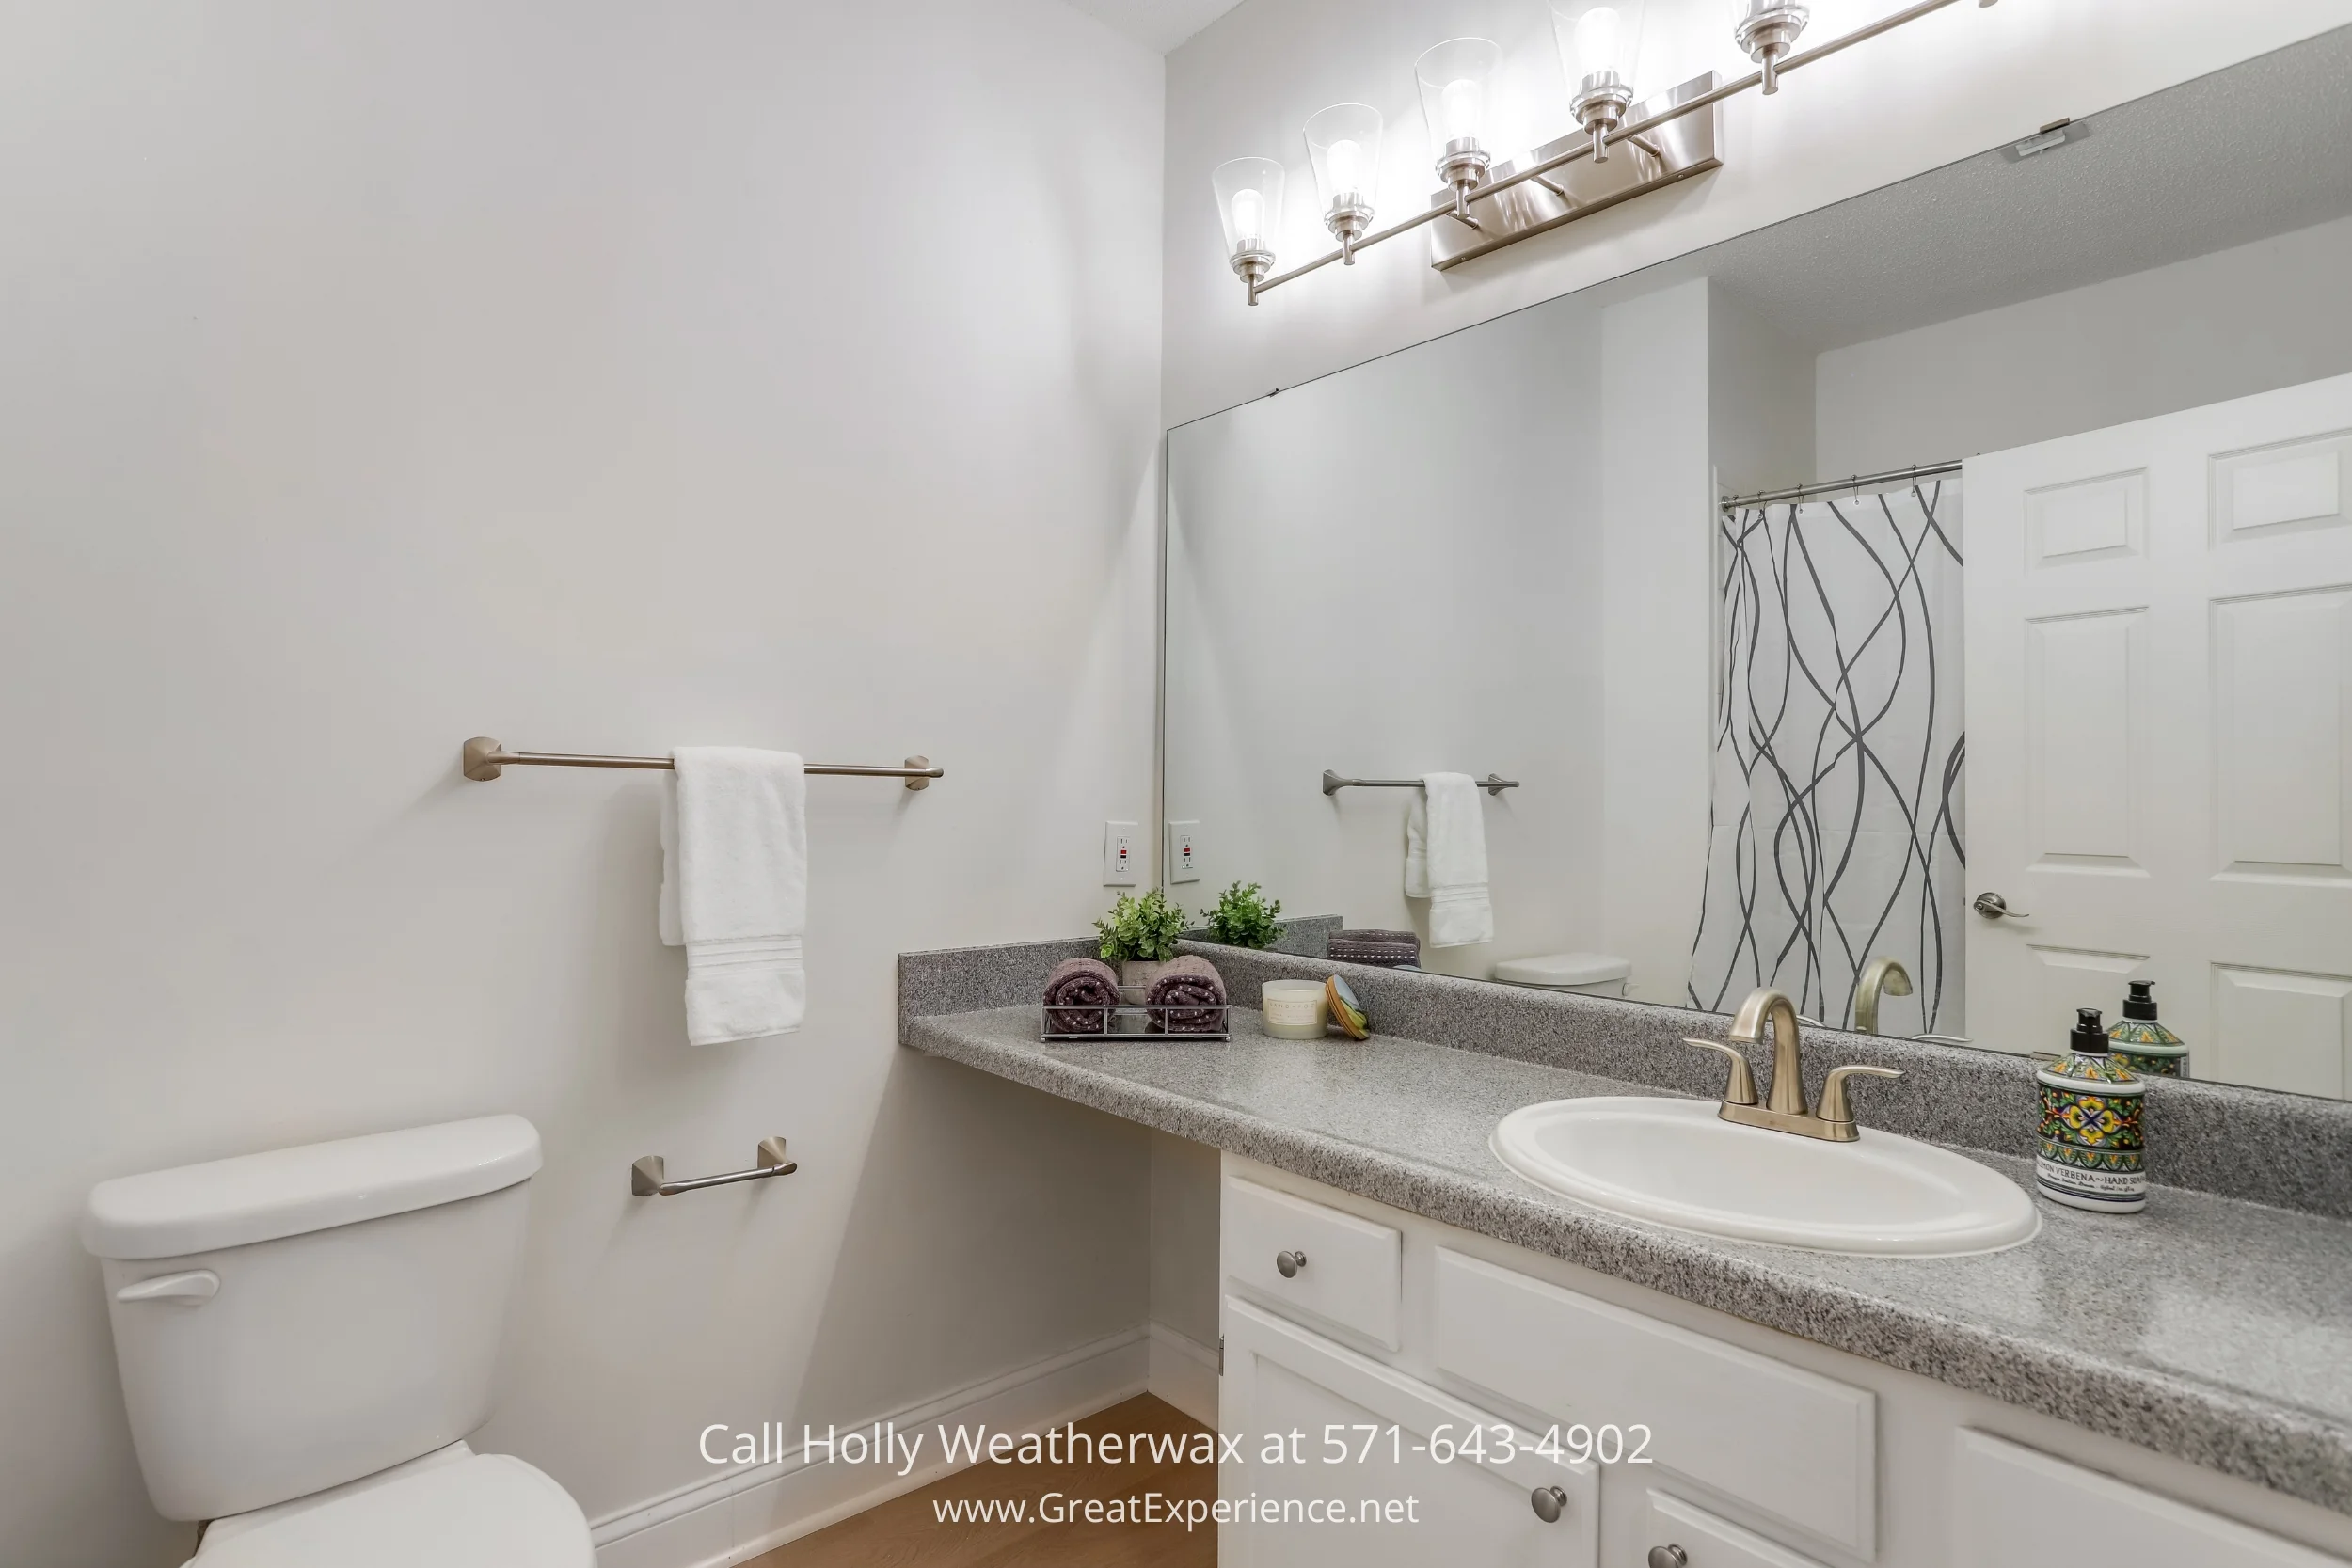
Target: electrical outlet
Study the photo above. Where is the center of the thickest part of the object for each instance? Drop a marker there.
(1184, 851)
(1118, 854)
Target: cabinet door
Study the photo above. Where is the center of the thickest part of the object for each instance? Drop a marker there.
(1331, 1442)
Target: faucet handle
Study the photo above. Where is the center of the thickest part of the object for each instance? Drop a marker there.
(1834, 1106)
(1741, 1089)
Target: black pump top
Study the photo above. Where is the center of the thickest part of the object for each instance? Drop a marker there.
(2089, 1038)
(2141, 1003)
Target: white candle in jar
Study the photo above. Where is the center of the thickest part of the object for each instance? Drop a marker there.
(1294, 1010)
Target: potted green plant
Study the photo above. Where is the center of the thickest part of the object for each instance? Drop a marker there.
(1139, 935)
(1244, 917)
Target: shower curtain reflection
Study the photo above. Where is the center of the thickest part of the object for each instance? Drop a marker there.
(1836, 824)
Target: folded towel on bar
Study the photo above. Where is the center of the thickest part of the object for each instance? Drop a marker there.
(1445, 859)
(1192, 986)
(1078, 996)
(735, 889)
(1390, 949)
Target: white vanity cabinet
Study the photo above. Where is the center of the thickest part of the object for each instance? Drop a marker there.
(1620, 1428)
(1352, 1463)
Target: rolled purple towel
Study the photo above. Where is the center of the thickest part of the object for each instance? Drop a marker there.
(1388, 949)
(1078, 996)
(1191, 985)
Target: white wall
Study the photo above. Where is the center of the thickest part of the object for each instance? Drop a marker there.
(2222, 326)
(1954, 84)
(1387, 574)
(1657, 529)
(388, 372)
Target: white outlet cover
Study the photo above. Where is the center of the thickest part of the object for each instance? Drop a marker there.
(1121, 850)
(1184, 851)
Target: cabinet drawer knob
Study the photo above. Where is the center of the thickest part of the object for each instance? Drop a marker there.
(1669, 1557)
(1550, 1502)
(1287, 1264)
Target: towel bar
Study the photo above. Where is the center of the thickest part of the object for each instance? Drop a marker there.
(1333, 783)
(649, 1176)
(484, 758)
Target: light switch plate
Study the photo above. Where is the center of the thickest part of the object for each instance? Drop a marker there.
(1120, 854)
(1184, 851)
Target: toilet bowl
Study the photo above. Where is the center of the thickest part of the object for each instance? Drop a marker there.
(306, 1336)
(1588, 974)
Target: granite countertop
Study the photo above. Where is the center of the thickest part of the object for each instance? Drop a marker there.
(2210, 1328)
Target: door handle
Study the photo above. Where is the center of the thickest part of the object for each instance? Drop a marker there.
(1288, 1263)
(193, 1288)
(1993, 907)
(1550, 1502)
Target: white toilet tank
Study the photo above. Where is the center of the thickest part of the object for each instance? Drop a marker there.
(291, 1320)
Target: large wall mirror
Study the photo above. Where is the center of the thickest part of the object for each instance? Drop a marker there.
(1938, 606)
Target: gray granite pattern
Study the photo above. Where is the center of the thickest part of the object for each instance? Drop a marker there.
(2291, 1151)
(2215, 1330)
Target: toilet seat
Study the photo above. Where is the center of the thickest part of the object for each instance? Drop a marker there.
(486, 1511)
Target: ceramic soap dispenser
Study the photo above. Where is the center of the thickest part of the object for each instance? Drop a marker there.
(2093, 1154)
(2143, 1044)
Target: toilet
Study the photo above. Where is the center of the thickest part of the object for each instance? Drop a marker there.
(1591, 974)
(306, 1337)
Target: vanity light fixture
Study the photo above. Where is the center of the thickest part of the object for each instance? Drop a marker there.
(1343, 145)
(1600, 47)
(1495, 204)
(1249, 203)
(1458, 85)
(1765, 31)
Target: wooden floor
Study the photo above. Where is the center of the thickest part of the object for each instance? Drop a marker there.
(906, 1530)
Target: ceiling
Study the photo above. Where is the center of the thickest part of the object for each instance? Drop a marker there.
(2250, 151)
(1160, 25)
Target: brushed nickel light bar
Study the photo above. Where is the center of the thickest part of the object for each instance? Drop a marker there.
(1249, 190)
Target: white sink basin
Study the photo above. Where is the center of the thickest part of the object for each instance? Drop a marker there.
(1676, 1162)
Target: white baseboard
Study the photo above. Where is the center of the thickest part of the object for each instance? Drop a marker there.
(1183, 1371)
(741, 1513)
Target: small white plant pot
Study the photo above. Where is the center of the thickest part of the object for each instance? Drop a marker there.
(1134, 989)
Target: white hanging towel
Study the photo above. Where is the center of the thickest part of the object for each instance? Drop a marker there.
(735, 889)
(1445, 859)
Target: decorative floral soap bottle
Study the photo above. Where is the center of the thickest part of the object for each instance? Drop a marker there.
(2093, 1154)
(2143, 1045)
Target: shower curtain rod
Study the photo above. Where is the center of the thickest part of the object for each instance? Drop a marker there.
(1839, 486)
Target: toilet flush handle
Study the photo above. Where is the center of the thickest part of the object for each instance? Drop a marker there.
(193, 1288)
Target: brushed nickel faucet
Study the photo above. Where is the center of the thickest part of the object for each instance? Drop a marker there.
(1784, 1110)
(1878, 975)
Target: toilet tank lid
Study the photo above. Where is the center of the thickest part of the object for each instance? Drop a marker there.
(286, 1191)
(1563, 969)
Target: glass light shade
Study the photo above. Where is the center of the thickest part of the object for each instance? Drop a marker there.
(1600, 44)
(1457, 93)
(1343, 144)
(1249, 202)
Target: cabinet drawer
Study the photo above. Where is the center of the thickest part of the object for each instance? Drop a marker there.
(1708, 1541)
(2011, 1505)
(1367, 1436)
(1346, 1271)
(1794, 1443)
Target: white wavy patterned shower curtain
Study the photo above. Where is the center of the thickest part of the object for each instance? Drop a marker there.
(1836, 824)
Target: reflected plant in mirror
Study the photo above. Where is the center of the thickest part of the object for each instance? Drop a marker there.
(1244, 917)
(1934, 606)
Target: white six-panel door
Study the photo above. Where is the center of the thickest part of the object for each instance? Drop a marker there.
(2159, 671)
